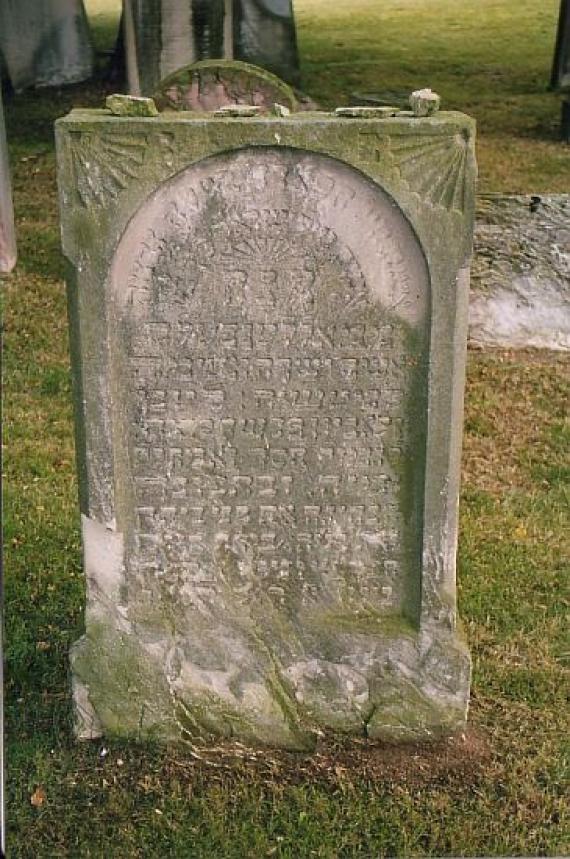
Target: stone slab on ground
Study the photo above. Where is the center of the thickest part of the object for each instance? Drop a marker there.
(381, 98)
(45, 42)
(7, 231)
(265, 35)
(520, 279)
(268, 323)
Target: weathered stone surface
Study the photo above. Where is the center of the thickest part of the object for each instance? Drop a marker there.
(7, 232)
(367, 112)
(163, 36)
(130, 105)
(239, 110)
(268, 326)
(424, 102)
(520, 283)
(45, 42)
(381, 98)
(212, 84)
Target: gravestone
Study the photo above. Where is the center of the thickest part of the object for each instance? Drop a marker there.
(264, 34)
(45, 42)
(163, 36)
(211, 84)
(560, 74)
(7, 232)
(268, 325)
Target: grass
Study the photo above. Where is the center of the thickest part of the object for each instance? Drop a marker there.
(497, 791)
(481, 56)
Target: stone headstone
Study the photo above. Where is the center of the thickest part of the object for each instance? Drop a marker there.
(560, 74)
(212, 84)
(268, 327)
(45, 42)
(7, 232)
(264, 34)
(163, 36)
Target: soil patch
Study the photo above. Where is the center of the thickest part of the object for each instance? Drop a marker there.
(343, 761)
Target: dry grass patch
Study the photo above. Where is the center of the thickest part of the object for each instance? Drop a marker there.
(516, 400)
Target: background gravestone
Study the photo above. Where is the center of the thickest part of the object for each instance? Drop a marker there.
(268, 325)
(520, 276)
(45, 42)
(560, 74)
(162, 36)
(7, 233)
(212, 84)
(264, 34)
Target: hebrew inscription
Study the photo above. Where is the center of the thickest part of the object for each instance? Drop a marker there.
(269, 344)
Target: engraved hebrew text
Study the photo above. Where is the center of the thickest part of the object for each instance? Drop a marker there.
(270, 366)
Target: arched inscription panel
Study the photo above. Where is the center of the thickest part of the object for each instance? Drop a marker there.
(269, 340)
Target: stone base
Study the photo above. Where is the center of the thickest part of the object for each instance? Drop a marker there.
(410, 688)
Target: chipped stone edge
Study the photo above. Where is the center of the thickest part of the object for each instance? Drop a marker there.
(86, 724)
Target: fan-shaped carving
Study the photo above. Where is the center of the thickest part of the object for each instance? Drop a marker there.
(434, 167)
(104, 166)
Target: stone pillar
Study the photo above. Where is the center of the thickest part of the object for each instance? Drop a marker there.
(162, 36)
(45, 42)
(268, 321)
(7, 232)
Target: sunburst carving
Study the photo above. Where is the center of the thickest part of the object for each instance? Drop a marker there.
(104, 166)
(433, 167)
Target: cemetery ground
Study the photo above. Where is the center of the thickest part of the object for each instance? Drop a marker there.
(497, 790)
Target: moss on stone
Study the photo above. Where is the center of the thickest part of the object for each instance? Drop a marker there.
(365, 622)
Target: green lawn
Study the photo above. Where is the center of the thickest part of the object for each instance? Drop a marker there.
(497, 791)
(489, 58)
